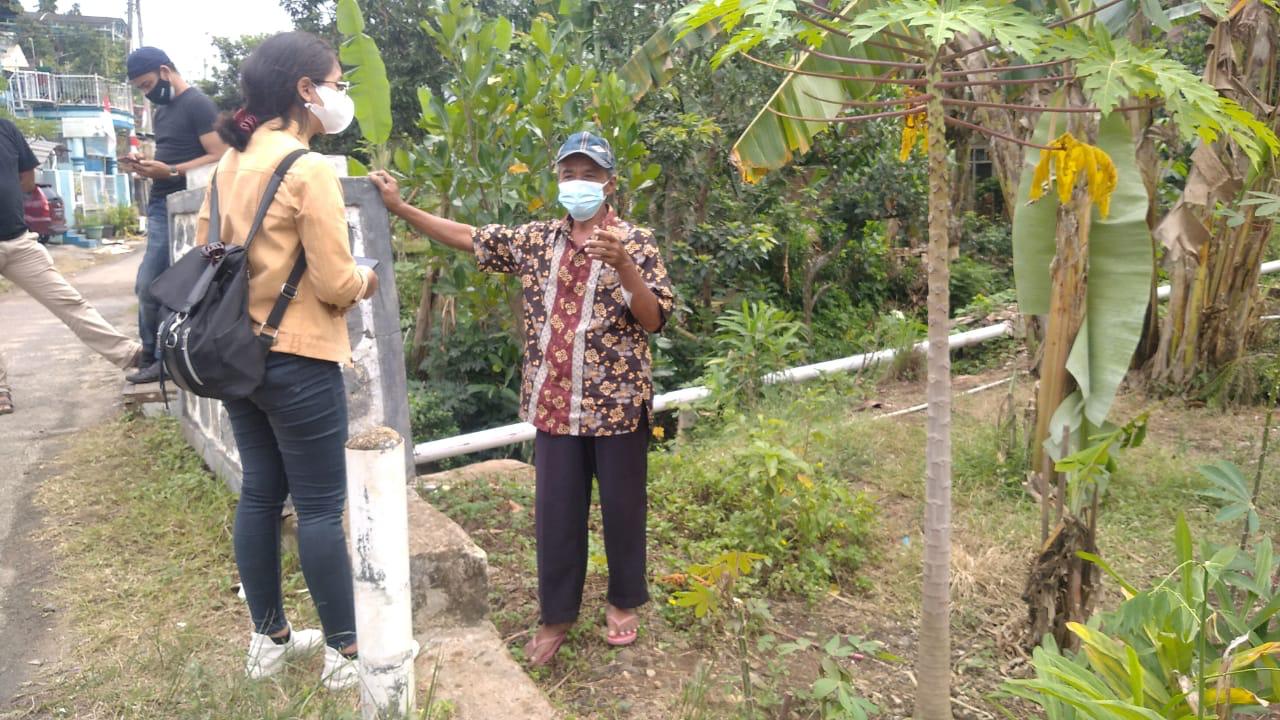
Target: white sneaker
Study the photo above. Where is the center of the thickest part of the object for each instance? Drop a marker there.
(267, 658)
(340, 672)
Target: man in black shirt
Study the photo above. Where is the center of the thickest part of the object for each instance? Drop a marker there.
(185, 140)
(27, 264)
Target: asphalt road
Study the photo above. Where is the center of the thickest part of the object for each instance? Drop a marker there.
(60, 388)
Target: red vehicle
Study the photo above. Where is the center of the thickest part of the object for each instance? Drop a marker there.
(45, 213)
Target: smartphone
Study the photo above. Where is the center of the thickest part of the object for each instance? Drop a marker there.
(371, 263)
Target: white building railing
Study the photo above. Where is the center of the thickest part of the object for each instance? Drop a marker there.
(31, 89)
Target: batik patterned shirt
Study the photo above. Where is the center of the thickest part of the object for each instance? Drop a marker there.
(587, 366)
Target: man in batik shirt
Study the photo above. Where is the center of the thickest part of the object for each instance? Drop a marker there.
(594, 289)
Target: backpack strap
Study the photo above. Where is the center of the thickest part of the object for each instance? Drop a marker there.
(212, 235)
(215, 218)
(267, 333)
(269, 194)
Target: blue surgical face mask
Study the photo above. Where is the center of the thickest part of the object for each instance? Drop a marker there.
(582, 198)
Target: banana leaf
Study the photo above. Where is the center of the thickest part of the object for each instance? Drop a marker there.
(1120, 276)
(370, 89)
(1034, 226)
(771, 141)
(653, 64)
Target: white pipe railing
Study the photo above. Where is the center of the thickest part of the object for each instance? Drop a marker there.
(523, 432)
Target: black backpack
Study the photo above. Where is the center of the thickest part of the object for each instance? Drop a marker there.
(207, 341)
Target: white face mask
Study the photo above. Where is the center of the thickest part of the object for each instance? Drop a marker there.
(337, 112)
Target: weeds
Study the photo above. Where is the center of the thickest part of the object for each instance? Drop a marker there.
(901, 333)
(999, 455)
(695, 694)
(1251, 379)
(759, 496)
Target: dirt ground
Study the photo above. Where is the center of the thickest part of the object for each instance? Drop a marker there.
(60, 388)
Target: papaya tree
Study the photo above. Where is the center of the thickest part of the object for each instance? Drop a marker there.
(861, 61)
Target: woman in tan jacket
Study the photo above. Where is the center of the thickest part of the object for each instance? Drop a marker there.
(291, 432)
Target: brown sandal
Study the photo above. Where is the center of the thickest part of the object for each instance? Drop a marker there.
(6, 402)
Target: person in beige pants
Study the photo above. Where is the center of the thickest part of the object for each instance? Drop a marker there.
(27, 264)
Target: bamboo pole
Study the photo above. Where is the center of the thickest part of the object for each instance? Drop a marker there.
(378, 504)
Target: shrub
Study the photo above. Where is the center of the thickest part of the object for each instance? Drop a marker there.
(761, 497)
(1195, 644)
(750, 343)
(430, 413)
(970, 278)
(123, 217)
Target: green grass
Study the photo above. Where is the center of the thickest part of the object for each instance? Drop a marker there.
(142, 533)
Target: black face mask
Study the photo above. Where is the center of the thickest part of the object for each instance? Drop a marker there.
(162, 93)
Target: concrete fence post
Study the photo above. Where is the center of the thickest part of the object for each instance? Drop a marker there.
(379, 539)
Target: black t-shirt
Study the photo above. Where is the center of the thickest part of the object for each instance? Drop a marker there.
(15, 157)
(179, 126)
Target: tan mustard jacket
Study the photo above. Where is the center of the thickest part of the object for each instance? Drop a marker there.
(308, 213)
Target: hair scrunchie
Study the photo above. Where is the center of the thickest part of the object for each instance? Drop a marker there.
(246, 121)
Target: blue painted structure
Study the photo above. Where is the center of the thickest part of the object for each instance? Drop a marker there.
(94, 115)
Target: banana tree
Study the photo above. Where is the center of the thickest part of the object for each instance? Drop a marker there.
(370, 89)
(1213, 256)
(916, 47)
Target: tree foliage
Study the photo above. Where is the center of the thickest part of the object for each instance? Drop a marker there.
(223, 83)
(71, 49)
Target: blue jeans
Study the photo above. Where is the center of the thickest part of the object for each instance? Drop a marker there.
(154, 262)
(292, 434)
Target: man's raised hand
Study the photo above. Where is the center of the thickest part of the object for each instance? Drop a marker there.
(606, 246)
(388, 187)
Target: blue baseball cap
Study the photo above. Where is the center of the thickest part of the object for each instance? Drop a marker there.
(146, 59)
(593, 146)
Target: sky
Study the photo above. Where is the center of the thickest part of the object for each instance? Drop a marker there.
(185, 28)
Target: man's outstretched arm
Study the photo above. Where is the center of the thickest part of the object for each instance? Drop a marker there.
(443, 230)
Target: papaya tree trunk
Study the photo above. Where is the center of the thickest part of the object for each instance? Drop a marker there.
(933, 652)
(1212, 261)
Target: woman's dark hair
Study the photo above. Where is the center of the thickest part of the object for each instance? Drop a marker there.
(269, 83)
